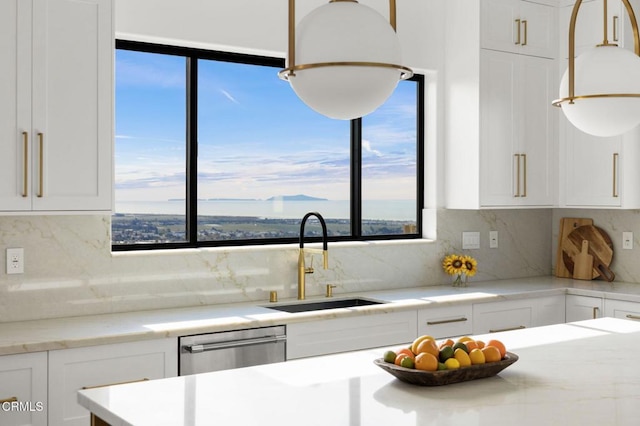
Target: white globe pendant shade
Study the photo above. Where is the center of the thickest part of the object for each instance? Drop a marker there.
(345, 32)
(605, 70)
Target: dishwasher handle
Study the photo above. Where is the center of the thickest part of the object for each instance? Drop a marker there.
(194, 349)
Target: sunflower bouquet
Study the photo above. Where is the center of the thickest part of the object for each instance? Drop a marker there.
(459, 265)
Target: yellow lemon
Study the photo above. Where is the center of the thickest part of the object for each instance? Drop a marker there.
(464, 339)
(476, 356)
(452, 364)
(462, 357)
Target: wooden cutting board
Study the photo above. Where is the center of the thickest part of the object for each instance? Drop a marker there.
(600, 248)
(567, 224)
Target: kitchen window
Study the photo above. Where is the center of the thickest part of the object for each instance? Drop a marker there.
(212, 149)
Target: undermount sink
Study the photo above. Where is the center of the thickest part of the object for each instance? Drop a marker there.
(326, 304)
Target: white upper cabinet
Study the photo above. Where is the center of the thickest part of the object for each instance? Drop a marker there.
(501, 130)
(56, 126)
(519, 27)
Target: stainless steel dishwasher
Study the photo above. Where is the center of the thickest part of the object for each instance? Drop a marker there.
(231, 349)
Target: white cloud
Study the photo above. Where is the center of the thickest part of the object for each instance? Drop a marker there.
(366, 144)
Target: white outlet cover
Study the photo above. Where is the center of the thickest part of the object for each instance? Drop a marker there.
(15, 261)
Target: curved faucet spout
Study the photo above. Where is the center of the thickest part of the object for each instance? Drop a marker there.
(322, 223)
(302, 269)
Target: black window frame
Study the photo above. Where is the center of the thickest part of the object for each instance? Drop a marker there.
(192, 55)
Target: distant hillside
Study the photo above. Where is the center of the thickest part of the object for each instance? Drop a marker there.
(299, 197)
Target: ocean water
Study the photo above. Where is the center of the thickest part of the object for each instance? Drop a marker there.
(401, 210)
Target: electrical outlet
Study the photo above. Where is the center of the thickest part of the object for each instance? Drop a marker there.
(627, 240)
(493, 239)
(15, 261)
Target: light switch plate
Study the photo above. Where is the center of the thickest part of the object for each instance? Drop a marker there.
(470, 240)
(493, 239)
(627, 240)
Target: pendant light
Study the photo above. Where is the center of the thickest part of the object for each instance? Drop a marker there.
(348, 56)
(600, 91)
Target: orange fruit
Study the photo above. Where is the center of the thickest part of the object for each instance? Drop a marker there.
(428, 346)
(426, 361)
(498, 344)
(471, 345)
(399, 358)
(406, 351)
(480, 344)
(491, 353)
(447, 342)
(416, 342)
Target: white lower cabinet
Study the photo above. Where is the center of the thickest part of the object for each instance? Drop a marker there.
(580, 308)
(73, 369)
(23, 389)
(622, 309)
(446, 321)
(492, 317)
(348, 334)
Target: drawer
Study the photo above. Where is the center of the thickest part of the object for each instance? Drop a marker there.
(446, 321)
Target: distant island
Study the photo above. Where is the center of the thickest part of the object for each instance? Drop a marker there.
(299, 197)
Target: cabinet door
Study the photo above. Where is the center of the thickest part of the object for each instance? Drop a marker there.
(592, 173)
(537, 131)
(448, 321)
(23, 389)
(498, 127)
(349, 334)
(15, 104)
(72, 104)
(72, 369)
(580, 308)
(519, 27)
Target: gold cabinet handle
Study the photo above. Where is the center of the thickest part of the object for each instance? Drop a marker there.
(10, 399)
(114, 384)
(25, 164)
(461, 319)
(595, 312)
(517, 159)
(41, 165)
(633, 317)
(517, 31)
(615, 28)
(524, 174)
(498, 330)
(524, 24)
(615, 175)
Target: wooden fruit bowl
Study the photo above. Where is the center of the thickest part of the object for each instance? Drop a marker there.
(447, 377)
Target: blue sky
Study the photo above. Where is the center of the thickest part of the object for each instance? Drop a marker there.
(256, 138)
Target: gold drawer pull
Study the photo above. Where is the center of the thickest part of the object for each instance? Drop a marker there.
(11, 399)
(518, 31)
(615, 174)
(595, 312)
(498, 330)
(633, 317)
(114, 384)
(461, 319)
(524, 22)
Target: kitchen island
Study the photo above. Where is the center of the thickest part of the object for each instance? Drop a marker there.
(580, 373)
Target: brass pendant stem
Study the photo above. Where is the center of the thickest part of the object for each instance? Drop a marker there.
(572, 45)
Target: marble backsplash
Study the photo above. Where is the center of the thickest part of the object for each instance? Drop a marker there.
(70, 269)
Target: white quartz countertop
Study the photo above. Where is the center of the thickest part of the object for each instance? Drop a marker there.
(61, 333)
(582, 373)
